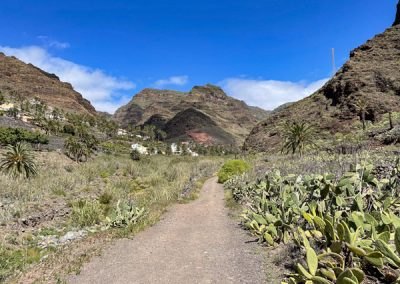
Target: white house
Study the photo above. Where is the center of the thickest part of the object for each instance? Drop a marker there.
(140, 148)
(175, 149)
(178, 151)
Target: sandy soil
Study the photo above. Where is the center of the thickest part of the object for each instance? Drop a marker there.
(193, 243)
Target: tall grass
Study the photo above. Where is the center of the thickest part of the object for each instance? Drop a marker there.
(90, 191)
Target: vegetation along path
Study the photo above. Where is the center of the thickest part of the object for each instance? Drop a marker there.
(194, 243)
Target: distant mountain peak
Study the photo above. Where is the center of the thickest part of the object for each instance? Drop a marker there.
(209, 90)
(205, 110)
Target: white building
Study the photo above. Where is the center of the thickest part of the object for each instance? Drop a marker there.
(178, 150)
(175, 150)
(140, 148)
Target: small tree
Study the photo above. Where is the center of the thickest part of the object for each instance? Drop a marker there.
(298, 136)
(75, 149)
(18, 161)
(69, 129)
(13, 112)
(161, 135)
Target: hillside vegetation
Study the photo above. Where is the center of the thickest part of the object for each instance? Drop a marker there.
(78, 207)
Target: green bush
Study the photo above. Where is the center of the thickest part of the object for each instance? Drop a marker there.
(69, 129)
(12, 259)
(105, 198)
(232, 168)
(86, 213)
(135, 155)
(14, 135)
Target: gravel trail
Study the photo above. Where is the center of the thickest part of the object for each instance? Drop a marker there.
(193, 243)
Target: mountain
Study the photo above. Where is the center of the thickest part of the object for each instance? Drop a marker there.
(196, 125)
(370, 76)
(20, 79)
(397, 20)
(224, 119)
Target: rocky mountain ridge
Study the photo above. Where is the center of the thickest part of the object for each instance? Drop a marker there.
(371, 75)
(29, 82)
(233, 117)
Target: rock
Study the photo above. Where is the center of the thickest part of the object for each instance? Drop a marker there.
(390, 137)
(71, 236)
(56, 241)
(48, 241)
(397, 20)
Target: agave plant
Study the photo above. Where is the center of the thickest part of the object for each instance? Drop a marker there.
(18, 160)
(298, 136)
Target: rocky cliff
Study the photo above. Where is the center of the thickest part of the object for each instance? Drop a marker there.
(371, 75)
(397, 20)
(27, 81)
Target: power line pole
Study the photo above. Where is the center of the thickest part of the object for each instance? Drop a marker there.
(333, 63)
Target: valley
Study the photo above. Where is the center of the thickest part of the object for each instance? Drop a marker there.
(200, 186)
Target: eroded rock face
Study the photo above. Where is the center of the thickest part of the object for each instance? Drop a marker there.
(192, 124)
(28, 81)
(397, 20)
(372, 74)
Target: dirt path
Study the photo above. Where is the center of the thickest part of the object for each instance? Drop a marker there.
(194, 243)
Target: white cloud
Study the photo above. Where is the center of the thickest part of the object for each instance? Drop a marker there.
(174, 80)
(100, 89)
(269, 94)
(48, 42)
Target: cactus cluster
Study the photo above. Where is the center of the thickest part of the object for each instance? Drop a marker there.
(347, 228)
(124, 215)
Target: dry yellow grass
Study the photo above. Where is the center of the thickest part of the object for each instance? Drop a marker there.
(44, 204)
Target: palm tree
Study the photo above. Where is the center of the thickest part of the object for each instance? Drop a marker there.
(298, 136)
(160, 135)
(362, 106)
(149, 131)
(391, 125)
(18, 160)
(76, 149)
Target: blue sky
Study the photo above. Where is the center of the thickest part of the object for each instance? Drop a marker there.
(264, 52)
